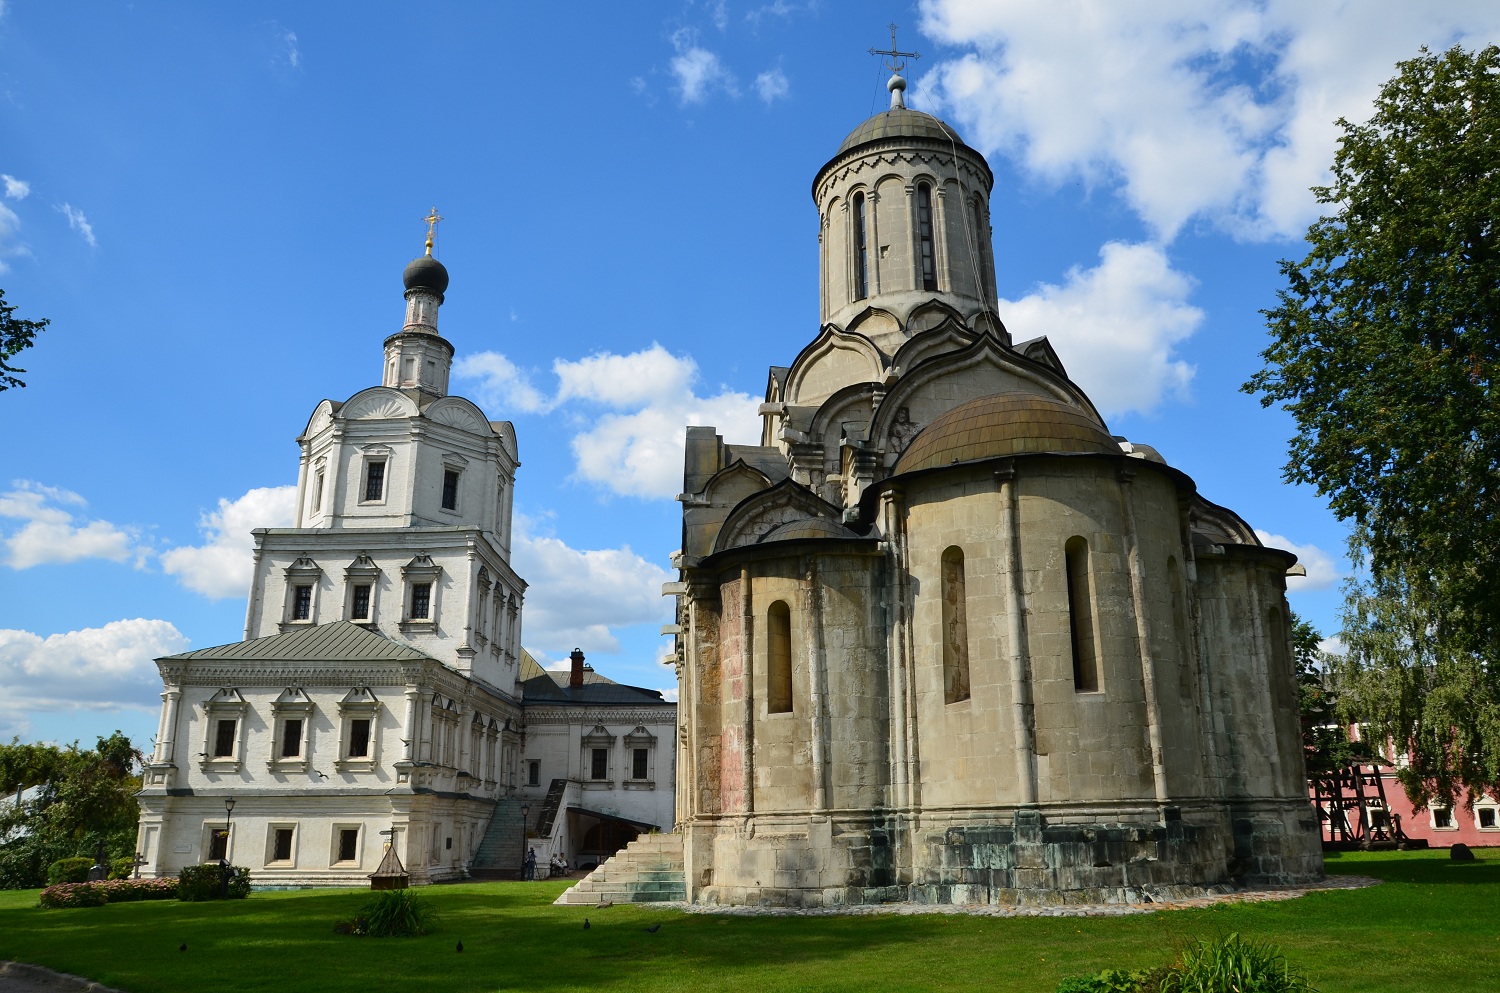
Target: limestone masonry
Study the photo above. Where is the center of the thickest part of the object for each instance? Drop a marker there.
(941, 637)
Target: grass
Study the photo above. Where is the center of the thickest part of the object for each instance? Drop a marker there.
(1432, 926)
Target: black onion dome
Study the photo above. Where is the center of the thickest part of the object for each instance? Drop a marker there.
(426, 273)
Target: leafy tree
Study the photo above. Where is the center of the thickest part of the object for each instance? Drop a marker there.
(1385, 347)
(15, 335)
(1325, 738)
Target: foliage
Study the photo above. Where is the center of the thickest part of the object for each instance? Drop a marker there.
(15, 335)
(121, 868)
(68, 895)
(87, 798)
(1385, 349)
(69, 870)
(206, 882)
(392, 914)
(1115, 981)
(1325, 738)
(1233, 965)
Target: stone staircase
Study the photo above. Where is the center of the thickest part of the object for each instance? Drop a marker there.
(648, 870)
(504, 844)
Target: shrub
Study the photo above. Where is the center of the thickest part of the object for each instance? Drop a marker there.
(71, 870)
(65, 895)
(1233, 965)
(392, 914)
(203, 882)
(1115, 981)
(121, 868)
(132, 890)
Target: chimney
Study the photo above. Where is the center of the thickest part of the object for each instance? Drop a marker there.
(575, 679)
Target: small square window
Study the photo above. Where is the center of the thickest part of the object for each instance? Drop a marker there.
(359, 610)
(375, 481)
(599, 763)
(281, 845)
(348, 844)
(421, 601)
(1487, 817)
(359, 738)
(639, 763)
(218, 845)
(1442, 817)
(224, 739)
(291, 738)
(450, 489)
(534, 773)
(302, 603)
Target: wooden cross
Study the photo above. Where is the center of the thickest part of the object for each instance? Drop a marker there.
(391, 830)
(139, 861)
(432, 223)
(895, 53)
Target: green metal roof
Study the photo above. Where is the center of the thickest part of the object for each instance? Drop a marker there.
(901, 123)
(339, 641)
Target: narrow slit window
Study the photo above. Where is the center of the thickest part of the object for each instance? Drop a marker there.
(224, 739)
(861, 276)
(533, 773)
(421, 601)
(375, 481)
(779, 658)
(450, 489)
(924, 237)
(1081, 617)
(955, 627)
(317, 493)
(291, 739)
(302, 603)
(359, 610)
(359, 738)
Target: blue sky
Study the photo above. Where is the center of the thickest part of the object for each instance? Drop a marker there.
(213, 204)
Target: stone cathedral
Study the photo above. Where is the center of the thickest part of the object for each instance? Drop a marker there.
(942, 637)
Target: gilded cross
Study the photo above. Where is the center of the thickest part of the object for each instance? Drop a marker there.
(895, 53)
(432, 223)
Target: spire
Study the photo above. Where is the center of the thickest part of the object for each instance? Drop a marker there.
(895, 61)
(418, 357)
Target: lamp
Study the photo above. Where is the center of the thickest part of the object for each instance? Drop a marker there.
(224, 860)
(525, 810)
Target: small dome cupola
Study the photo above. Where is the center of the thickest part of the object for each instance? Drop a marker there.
(418, 358)
(904, 219)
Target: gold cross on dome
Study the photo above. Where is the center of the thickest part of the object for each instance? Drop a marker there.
(432, 223)
(895, 53)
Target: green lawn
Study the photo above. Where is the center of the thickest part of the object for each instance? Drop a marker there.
(1434, 925)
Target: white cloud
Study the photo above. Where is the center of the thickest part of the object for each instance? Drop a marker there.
(9, 225)
(78, 222)
(772, 85)
(698, 71)
(221, 567)
(293, 53)
(1333, 646)
(1219, 109)
(101, 668)
(576, 597)
(15, 189)
(51, 534)
(634, 445)
(1114, 326)
(1322, 571)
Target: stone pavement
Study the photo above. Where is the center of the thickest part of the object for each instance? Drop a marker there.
(18, 977)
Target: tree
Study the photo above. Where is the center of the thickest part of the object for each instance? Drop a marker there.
(1385, 348)
(1325, 737)
(15, 335)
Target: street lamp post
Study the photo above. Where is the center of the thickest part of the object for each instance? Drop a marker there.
(224, 859)
(525, 810)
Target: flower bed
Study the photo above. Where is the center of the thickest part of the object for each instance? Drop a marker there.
(65, 895)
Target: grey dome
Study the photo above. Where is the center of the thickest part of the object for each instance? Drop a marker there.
(900, 123)
(426, 272)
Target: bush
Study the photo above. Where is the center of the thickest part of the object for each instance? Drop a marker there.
(203, 882)
(132, 890)
(66, 895)
(1115, 981)
(392, 914)
(1233, 965)
(73, 870)
(121, 868)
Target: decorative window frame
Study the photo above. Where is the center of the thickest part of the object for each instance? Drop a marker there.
(1489, 804)
(210, 828)
(318, 488)
(640, 738)
(225, 705)
(599, 737)
(453, 462)
(368, 456)
(361, 572)
(358, 704)
(293, 704)
(1432, 809)
(302, 572)
(290, 862)
(421, 569)
(334, 862)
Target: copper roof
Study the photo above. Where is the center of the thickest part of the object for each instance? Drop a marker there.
(1004, 424)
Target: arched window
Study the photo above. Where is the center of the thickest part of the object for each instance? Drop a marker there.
(861, 278)
(924, 237)
(1081, 616)
(779, 659)
(955, 628)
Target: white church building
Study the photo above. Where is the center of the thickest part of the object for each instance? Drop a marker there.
(380, 694)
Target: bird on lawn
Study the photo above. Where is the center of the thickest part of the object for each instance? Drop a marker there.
(586, 926)
(460, 947)
(654, 928)
(182, 947)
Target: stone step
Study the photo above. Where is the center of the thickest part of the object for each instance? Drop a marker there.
(648, 870)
